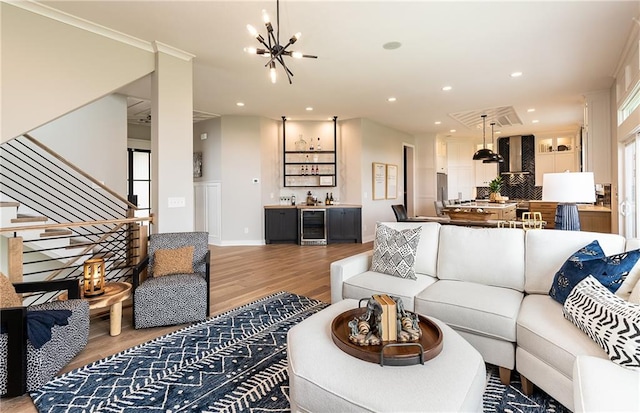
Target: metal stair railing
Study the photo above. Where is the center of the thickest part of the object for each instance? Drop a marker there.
(97, 220)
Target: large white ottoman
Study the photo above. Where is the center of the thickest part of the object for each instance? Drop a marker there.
(323, 378)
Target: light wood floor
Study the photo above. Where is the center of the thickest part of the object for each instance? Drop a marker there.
(238, 275)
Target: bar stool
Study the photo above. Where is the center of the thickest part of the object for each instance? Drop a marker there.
(532, 220)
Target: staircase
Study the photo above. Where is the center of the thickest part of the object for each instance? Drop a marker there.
(54, 217)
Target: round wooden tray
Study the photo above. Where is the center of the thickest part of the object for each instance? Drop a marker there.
(394, 354)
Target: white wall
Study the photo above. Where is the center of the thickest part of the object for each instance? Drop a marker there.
(94, 138)
(425, 189)
(211, 149)
(379, 144)
(88, 69)
(242, 208)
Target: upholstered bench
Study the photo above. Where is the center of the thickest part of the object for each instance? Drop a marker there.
(323, 378)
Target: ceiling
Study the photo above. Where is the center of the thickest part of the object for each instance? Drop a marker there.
(563, 49)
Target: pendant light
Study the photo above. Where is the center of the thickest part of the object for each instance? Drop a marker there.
(496, 157)
(483, 153)
(272, 47)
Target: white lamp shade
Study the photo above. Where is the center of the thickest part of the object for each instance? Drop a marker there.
(569, 187)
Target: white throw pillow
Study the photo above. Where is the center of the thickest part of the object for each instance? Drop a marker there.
(609, 320)
(394, 251)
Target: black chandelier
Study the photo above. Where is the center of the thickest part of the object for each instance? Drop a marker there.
(496, 157)
(273, 50)
(483, 153)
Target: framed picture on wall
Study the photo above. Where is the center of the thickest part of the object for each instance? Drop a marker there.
(379, 179)
(392, 181)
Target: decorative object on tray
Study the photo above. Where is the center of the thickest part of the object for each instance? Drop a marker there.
(468, 214)
(385, 320)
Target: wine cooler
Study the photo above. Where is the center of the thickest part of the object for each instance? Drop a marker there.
(313, 226)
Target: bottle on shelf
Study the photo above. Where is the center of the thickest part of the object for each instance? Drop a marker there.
(311, 147)
(331, 199)
(326, 199)
(318, 145)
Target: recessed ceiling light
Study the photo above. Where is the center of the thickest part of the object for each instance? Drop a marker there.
(516, 74)
(308, 108)
(240, 104)
(391, 45)
(391, 99)
(437, 122)
(531, 110)
(535, 121)
(452, 130)
(446, 88)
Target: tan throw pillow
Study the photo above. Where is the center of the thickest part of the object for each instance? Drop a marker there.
(173, 261)
(8, 295)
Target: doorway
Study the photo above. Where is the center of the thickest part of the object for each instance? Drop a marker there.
(139, 181)
(628, 225)
(408, 171)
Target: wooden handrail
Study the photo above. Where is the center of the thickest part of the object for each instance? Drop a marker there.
(80, 171)
(76, 224)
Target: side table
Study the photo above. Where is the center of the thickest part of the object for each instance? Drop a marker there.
(115, 293)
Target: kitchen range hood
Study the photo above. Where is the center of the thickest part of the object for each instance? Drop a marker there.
(515, 156)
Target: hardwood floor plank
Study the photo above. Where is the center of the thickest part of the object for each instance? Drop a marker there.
(239, 275)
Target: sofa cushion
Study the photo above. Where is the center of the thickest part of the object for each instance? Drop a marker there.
(366, 284)
(633, 277)
(548, 249)
(394, 251)
(543, 332)
(490, 256)
(602, 386)
(427, 252)
(471, 307)
(635, 294)
(609, 320)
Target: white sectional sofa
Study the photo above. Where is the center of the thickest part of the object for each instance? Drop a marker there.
(491, 286)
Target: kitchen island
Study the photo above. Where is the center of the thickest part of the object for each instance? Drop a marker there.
(501, 211)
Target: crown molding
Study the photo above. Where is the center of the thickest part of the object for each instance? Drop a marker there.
(80, 23)
(172, 51)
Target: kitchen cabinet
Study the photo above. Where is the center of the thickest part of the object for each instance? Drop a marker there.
(592, 218)
(344, 225)
(485, 173)
(309, 161)
(556, 154)
(281, 225)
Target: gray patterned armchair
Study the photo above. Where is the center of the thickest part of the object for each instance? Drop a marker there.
(176, 289)
(25, 366)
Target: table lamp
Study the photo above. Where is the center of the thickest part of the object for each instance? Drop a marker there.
(567, 189)
(93, 277)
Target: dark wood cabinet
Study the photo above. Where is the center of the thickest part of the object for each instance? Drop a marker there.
(281, 225)
(344, 225)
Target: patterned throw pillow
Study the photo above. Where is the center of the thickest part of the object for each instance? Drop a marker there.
(611, 271)
(394, 252)
(173, 261)
(609, 320)
(8, 295)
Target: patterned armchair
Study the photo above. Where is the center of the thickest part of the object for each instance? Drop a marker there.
(176, 289)
(25, 366)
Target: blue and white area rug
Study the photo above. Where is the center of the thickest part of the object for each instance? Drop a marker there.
(236, 361)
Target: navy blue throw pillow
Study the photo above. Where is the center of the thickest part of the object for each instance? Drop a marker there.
(567, 277)
(610, 271)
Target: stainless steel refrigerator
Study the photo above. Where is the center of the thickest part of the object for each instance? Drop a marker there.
(442, 192)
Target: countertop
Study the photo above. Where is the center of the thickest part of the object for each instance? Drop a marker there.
(582, 207)
(485, 205)
(303, 206)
